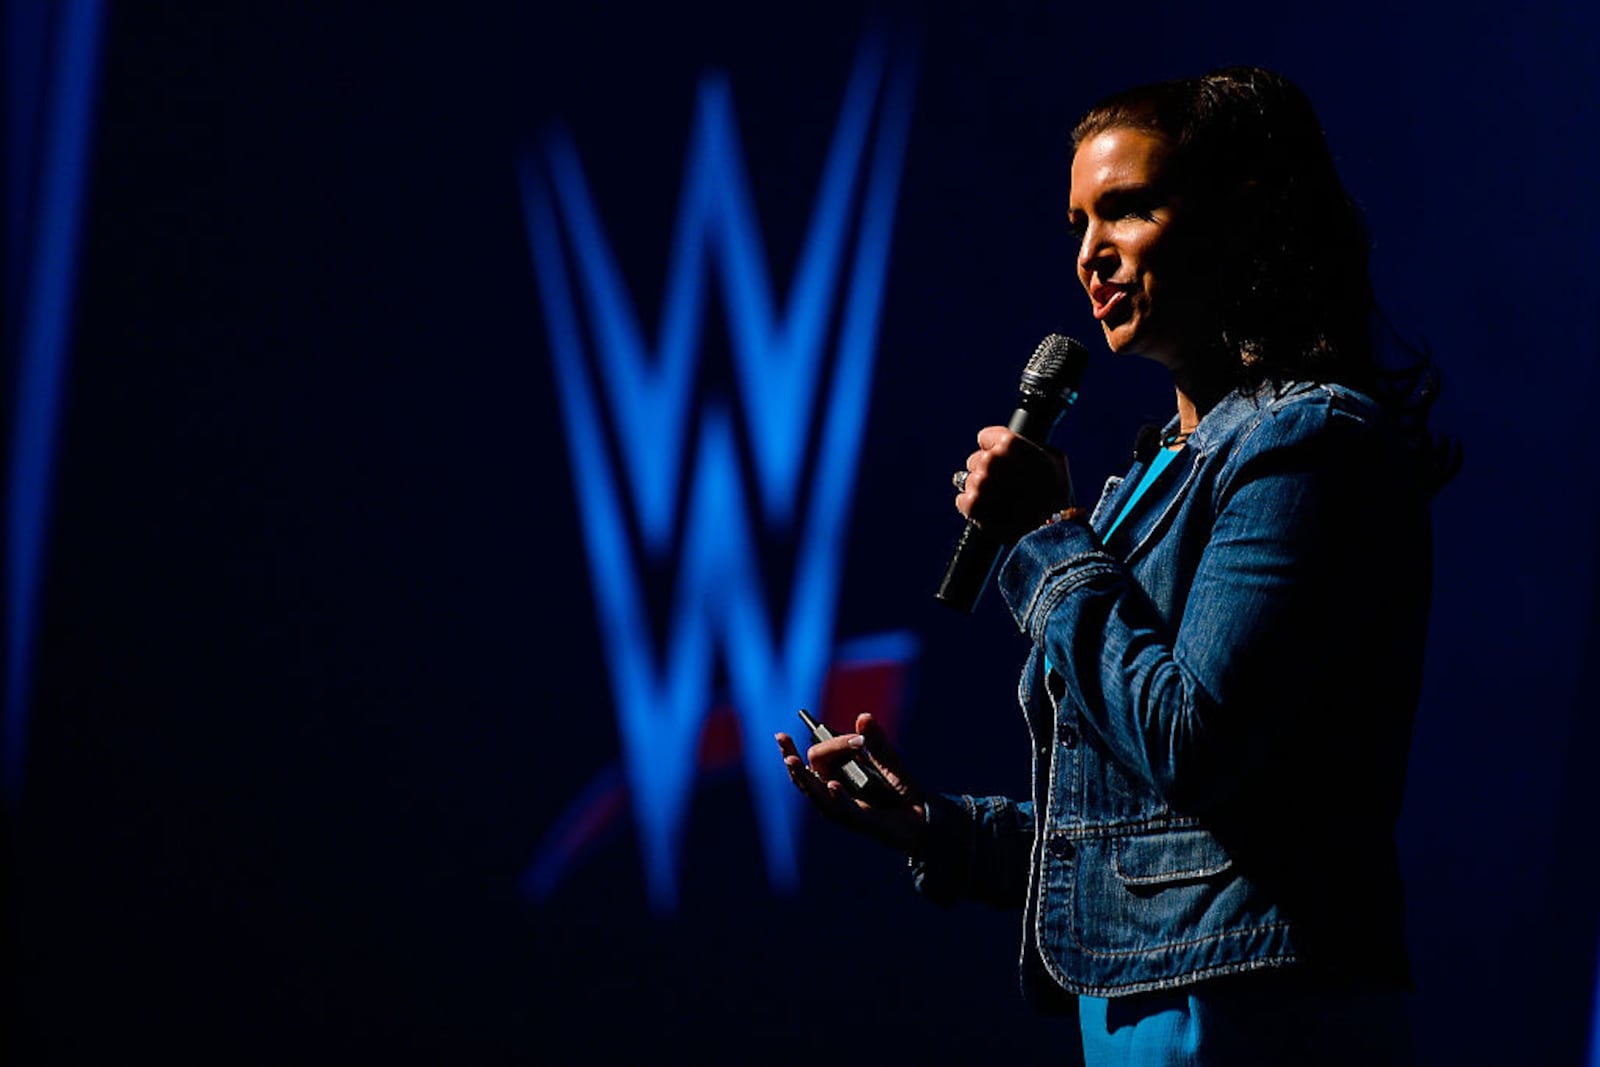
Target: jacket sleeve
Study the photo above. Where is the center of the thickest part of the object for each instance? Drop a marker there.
(978, 848)
(1195, 701)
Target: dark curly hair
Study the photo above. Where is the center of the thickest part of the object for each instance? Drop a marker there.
(1247, 149)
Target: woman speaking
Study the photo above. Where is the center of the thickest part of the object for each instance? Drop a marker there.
(1226, 648)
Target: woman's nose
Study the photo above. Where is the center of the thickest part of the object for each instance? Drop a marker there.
(1094, 250)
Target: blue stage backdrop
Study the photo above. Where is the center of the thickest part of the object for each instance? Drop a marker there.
(446, 442)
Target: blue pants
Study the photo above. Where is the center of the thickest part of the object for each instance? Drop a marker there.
(1253, 1027)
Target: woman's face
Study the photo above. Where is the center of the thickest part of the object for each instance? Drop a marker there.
(1136, 259)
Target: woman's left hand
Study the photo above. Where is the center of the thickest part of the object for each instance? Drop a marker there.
(1013, 484)
(893, 816)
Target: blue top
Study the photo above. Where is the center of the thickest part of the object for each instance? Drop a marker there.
(1158, 463)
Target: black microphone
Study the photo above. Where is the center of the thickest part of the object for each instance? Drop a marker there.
(1049, 387)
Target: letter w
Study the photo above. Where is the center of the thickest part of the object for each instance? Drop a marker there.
(779, 356)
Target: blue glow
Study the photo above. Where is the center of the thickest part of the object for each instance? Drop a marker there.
(719, 601)
(569, 835)
(897, 646)
(1594, 1027)
(44, 298)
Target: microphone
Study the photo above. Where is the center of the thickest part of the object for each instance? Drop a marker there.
(1049, 387)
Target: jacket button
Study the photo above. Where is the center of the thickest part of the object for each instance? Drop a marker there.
(1066, 734)
(1061, 848)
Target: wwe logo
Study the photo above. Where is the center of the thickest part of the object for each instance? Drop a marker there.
(780, 354)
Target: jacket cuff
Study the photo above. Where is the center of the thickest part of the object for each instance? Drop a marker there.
(1045, 566)
(977, 848)
(939, 867)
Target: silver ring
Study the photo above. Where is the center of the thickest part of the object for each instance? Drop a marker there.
(959, 480)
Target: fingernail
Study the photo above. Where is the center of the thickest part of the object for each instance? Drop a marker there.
(856, 741)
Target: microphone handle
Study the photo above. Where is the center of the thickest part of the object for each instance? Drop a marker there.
(973, 561)
(971, 566)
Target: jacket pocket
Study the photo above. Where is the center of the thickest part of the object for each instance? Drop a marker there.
(1170, 858)
(1174, 900)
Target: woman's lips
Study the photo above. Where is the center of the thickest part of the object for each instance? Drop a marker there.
(1106, 298)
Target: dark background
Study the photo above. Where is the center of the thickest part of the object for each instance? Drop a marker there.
(318, 667)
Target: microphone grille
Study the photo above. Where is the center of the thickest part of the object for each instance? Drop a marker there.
(1056, 366)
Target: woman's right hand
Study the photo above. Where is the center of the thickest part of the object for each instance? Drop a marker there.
(896, 820)
(1012, 485)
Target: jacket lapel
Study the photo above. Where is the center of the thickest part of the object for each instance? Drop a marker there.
(1155, 510)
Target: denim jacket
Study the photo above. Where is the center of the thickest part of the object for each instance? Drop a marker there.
(1220, 740)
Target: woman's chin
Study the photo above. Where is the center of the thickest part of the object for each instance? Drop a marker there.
(1123, 340)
